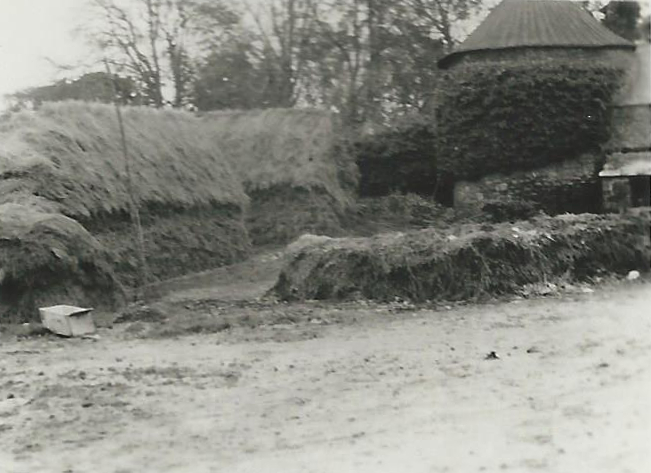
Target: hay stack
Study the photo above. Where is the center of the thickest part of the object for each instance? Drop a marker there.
(67, 158)
(294, 167)
(48, 259)
(472, 262)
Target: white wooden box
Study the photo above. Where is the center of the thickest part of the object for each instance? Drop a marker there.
(67, 320)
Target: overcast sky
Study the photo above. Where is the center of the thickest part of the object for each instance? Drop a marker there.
(33, 31)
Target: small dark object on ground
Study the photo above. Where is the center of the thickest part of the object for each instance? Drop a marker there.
(492, 356)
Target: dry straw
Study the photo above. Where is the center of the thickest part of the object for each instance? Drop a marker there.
(69, 153)
(280, 148)
(47, 259)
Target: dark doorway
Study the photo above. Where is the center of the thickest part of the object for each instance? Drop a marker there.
(640, 191)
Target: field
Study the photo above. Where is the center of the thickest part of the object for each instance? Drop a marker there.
(231, 383)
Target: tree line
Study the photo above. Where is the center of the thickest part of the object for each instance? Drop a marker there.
(363, 58)
(366, 59)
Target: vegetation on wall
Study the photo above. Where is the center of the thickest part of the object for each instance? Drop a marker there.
(400, 158)
(510, 116)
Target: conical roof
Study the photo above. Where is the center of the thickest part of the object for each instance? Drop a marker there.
(538, 24)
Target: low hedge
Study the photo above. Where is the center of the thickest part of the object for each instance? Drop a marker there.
(467, 262)
(508, 116)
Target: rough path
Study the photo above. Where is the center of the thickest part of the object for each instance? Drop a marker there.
(408, 392)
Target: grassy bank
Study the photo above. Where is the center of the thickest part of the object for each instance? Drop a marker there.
(467, 262)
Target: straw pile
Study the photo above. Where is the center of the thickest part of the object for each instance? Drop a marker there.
(48, 259)
(471, 262)
(294, 167)
(67, 158)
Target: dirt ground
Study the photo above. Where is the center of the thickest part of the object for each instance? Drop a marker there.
(352, 387)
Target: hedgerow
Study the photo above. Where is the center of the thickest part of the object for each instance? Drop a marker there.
(400, 158)
(467, 262)
(509, 116)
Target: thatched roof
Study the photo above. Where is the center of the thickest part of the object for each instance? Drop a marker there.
(67, 157)
(282, 148)
(537, 24)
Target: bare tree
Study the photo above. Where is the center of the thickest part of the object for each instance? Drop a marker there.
(285, 30)
(154, 41)
(443, 15)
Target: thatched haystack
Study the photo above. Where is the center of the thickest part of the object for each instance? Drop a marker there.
(48, 259)
(67, 157)
(473, 261)
(294, 167)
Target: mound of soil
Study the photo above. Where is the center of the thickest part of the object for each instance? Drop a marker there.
(467, 262)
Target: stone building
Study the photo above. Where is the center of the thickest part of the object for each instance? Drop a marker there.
(522, 30)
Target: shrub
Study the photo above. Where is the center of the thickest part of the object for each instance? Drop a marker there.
(398, 159)
(513, 116)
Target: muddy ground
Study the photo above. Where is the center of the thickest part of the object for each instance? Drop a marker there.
(214, 380)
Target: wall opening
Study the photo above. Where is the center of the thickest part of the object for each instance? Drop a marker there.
(640, 191)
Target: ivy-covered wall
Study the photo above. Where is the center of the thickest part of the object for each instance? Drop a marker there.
(508, 116)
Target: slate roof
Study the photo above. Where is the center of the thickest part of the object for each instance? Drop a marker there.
(538, 24)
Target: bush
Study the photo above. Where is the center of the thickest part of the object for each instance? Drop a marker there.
(513, 116)
(466, 262)
(398, 159)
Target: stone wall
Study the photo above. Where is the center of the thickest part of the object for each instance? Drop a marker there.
(568, 186)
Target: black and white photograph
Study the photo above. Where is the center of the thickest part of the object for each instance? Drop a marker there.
(325, 236)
